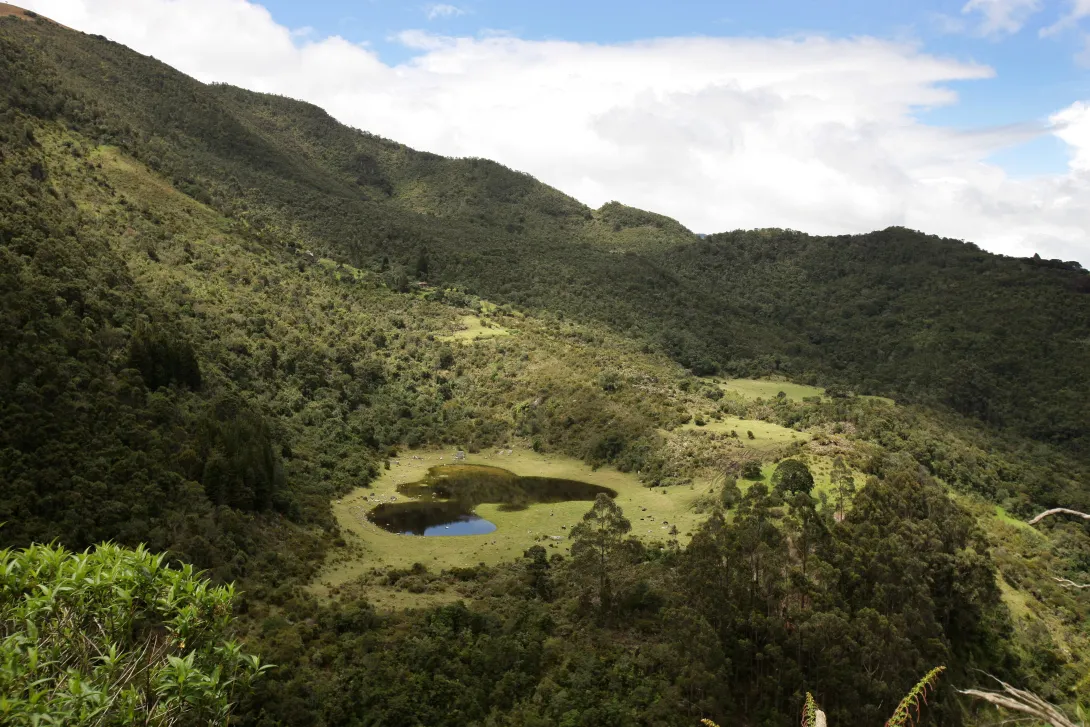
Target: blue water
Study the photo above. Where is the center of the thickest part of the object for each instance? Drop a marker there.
(465, 525)
(443, 502)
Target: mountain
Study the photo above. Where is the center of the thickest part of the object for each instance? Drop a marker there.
(222, 311)
(895, 312)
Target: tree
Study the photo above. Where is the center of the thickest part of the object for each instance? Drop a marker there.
(1026, 702)
(596, 542)
(836, 391)
(792, 476)
(1065, 582)
(446, 358)
(731, 493)
(751, 470)
(111, 637)
(843, 484)
(422, 264)
(537, 572)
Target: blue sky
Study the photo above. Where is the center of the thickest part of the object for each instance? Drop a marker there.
(1035, 75)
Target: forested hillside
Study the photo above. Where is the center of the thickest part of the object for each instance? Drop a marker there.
(894, 312)
(221, 312)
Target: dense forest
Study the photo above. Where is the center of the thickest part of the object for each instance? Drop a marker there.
(220, 311)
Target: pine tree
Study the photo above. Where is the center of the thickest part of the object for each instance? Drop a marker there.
(597, 541)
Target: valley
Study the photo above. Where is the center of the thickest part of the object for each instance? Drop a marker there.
(246, 353)
(651, 509)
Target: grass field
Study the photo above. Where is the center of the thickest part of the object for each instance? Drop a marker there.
(820, 466)
(763, 389)
(1005, 517)
(766, 434)
(767, 389)
(474, 328)
(651, 511)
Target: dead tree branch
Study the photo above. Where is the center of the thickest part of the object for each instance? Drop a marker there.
(1059, 511)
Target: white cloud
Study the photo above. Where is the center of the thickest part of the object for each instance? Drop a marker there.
(1079, 9)
(1073, 126)
(442, 10)
(1002, 17)
(808, 133)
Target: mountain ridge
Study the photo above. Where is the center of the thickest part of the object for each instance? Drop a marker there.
(379, 205)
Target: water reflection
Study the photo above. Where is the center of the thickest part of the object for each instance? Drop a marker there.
(443, 502)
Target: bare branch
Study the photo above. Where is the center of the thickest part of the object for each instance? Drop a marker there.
(1059, 511)
(1067, 583)
(1019, 700)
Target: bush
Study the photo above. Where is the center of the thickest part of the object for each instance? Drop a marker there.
(751, 470)
(112, 636)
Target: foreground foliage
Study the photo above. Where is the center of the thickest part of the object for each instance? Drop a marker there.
(114, 637)
(766, 603)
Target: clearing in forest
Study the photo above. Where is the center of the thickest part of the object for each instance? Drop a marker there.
(652, 512)
(769, 389)
(766, 389)
(766, 435)
(475, 327)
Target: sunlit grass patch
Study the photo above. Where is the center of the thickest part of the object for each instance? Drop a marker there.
(765, 389)
(766, 435)
(652, 511)
(475, 327)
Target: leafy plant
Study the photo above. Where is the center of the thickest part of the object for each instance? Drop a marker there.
(114, 637)
(902, 716)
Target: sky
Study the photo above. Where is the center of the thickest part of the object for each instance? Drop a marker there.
(968, 118)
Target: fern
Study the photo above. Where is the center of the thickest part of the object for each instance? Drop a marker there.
(916, 696)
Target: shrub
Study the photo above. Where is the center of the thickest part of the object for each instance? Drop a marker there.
(751, 470)
(112, 636)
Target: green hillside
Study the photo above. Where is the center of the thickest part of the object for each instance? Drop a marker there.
(868, 312)
(228, 322)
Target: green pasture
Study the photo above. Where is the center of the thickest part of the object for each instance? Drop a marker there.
(651, 511)
(768, 389)
(821, 466)
(475, 327)
(766, 435)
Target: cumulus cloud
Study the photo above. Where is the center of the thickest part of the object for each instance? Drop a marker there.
(811, 133)
(442, 10)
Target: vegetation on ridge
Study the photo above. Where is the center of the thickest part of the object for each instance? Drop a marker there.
(221, 311)
(894, 312)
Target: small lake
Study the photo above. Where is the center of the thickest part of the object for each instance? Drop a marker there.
(443, 502)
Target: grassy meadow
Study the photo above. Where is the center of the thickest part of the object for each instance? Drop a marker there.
(768, 389)
(651, 510)
(766, 435)
(474, 327)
